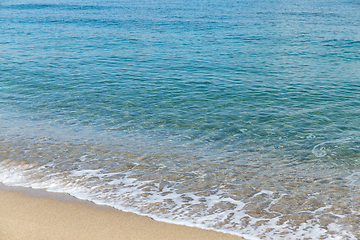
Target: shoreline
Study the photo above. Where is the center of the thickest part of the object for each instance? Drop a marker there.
(27, 213)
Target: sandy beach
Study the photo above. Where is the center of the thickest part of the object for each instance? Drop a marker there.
(36, 214)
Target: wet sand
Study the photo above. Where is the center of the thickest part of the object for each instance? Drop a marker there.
(36, 214)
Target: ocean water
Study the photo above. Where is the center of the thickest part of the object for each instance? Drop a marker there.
(239, 116)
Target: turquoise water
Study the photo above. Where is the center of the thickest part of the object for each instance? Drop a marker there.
(239, 116)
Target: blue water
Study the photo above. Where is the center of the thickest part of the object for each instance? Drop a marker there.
(239, 116)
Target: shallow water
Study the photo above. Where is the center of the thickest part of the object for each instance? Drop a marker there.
(240, 116)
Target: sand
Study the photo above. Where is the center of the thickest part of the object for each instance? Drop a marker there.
(35, 214)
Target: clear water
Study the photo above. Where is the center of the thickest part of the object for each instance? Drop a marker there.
(239, 116)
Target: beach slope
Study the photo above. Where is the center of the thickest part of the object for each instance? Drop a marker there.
(36, 214)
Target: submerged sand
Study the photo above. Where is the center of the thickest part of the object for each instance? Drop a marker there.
(35, 214)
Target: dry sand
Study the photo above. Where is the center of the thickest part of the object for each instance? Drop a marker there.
(35, 214)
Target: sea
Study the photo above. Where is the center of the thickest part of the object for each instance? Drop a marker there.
(241, 116)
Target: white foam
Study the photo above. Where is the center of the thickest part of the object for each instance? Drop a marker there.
(319, 150)
(128, 193)
(354, 179)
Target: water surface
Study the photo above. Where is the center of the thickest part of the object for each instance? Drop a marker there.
(239, 116)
